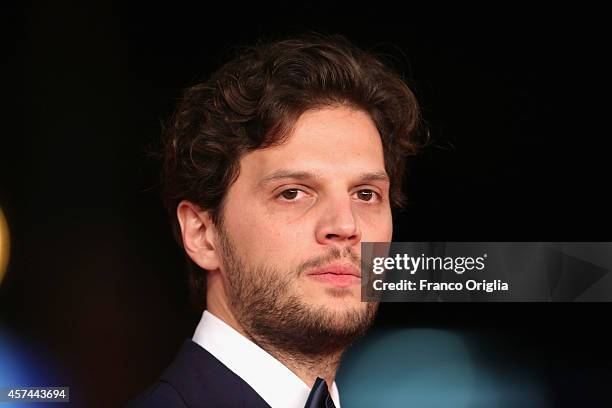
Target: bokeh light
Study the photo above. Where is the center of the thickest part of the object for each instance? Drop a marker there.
(4, 245)
(433, 368)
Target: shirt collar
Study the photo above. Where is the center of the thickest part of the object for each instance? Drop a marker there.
(279, 387)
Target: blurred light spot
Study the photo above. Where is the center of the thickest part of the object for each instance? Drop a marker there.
(431, 368)
(4, 245)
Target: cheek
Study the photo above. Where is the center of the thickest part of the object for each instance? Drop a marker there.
(377, 226)
(265, 238)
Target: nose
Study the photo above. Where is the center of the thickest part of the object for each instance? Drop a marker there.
(337, 225)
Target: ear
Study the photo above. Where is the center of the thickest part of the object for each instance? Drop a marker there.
(199, 235)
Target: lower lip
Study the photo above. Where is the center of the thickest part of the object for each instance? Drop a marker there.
(337, 280)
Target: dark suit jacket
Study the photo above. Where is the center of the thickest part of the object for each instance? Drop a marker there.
(197, 379)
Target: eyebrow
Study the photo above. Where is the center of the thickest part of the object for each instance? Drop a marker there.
(305, 175)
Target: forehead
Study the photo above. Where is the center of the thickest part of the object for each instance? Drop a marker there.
(334, 140)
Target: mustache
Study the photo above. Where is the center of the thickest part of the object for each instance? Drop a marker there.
(334, 254)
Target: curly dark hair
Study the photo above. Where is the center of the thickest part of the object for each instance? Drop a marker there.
(253, 101)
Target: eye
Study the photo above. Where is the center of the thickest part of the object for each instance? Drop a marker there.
(290, 194)
(367, 195)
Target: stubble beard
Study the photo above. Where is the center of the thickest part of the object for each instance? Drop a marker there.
(275, 318)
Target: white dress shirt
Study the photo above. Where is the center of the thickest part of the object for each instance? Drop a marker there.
(274, 382)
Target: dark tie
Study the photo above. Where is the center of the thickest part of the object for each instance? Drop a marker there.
(319, 396)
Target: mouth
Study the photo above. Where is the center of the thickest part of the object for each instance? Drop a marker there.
(337, 275)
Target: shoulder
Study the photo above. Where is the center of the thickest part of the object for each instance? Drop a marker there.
(159, 395)
(197, 379)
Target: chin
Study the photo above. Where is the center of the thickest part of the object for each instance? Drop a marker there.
(340, 305)
(346, 295)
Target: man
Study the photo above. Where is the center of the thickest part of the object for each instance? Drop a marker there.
(275, 170)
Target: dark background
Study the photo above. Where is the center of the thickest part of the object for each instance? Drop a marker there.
(514, 98)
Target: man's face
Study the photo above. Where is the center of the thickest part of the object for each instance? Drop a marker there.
(293, 222)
